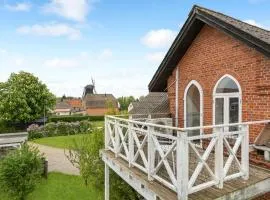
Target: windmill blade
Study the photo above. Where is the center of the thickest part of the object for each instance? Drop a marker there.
(94, 86)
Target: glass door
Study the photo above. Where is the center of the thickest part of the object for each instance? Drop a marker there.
(227, 111)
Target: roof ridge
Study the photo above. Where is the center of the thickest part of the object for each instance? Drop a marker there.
(202, 9)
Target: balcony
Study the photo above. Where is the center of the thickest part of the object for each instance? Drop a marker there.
(165, 162)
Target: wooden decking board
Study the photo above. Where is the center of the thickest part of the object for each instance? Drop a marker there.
(256, 175)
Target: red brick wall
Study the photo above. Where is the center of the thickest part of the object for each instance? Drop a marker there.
(214, 54)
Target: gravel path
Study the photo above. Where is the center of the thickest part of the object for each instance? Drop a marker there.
(57, 160)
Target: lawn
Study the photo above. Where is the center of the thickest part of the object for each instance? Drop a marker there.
(98, 123)
(60, 186)
(64, 141)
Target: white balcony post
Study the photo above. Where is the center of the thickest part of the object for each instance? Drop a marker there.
(150, 152)
(107, 137)
(130, 144)
(107, 182)
(117, 138)
(219, 171)
(245, 152)
(182, 165)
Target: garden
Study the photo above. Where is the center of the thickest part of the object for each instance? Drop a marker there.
(23, 174)
(82, 149)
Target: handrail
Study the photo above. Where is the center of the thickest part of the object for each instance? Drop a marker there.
(190, 128)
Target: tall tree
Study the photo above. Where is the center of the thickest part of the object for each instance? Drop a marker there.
(24, 98)
(125, 101)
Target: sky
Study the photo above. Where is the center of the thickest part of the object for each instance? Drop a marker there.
(118, 43)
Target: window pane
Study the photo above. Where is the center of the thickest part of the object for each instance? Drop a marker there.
(227, 85)
(219, 111)
(193, 109)
(233, 113)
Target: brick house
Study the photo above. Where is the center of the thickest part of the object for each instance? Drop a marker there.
(97, 104)
(217, 71)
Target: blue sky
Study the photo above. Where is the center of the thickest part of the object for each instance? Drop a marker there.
(119, 43)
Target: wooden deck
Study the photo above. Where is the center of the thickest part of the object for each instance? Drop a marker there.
(258, 182)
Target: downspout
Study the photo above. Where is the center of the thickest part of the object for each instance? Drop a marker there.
(176, 96)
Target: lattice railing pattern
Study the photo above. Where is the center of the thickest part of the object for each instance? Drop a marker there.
(182, 162)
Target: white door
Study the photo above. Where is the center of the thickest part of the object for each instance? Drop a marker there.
(227, 111)
(227, 102)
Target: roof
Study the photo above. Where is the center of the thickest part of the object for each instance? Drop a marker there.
(99, 100)
(253, 36)
(264, 137)
(154, 102)
(75, 103)
(62, 105)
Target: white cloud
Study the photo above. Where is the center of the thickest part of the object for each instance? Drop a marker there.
(105, 54)
(55, 30)
(155, 57)
(71, 9)
(254, 23)
(19, 7)
(158, 38)
(3, 51)
(61, 63)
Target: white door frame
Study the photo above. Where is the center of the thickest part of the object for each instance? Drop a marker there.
(226, 97)
(195, 83)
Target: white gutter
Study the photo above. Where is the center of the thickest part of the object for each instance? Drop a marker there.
(176, 97)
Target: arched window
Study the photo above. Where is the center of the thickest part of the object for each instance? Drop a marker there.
(227, 102)
(227, 85)
(193, 107)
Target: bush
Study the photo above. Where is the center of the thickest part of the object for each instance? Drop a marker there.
(84, 154)
(58, 129)
(20, 171)
(34, 132)
(75, 118)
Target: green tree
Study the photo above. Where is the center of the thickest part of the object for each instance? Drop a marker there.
(125, 101)
(84, 154)
(111, 108)
(24, 98)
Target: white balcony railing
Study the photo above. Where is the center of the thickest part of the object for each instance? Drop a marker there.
(175, 159)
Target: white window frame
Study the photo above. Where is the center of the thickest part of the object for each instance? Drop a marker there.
(195, 83)
(227, 96)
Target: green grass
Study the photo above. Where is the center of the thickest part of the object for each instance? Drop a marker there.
(98, 123)
(63, 142)
(60, 186)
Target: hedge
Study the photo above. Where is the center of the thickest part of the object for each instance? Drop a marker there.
(7, 127)
(75, 118)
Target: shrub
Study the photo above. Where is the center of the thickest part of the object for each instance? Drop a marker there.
(20, 171)
(34, 132)
(75, 118)
(85, 126)
(63, 128)
(49, 130)
(57, 129)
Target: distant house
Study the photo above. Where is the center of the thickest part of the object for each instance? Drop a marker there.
(97, 104)
(76, 105)
(62, 108)
(152, 104)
